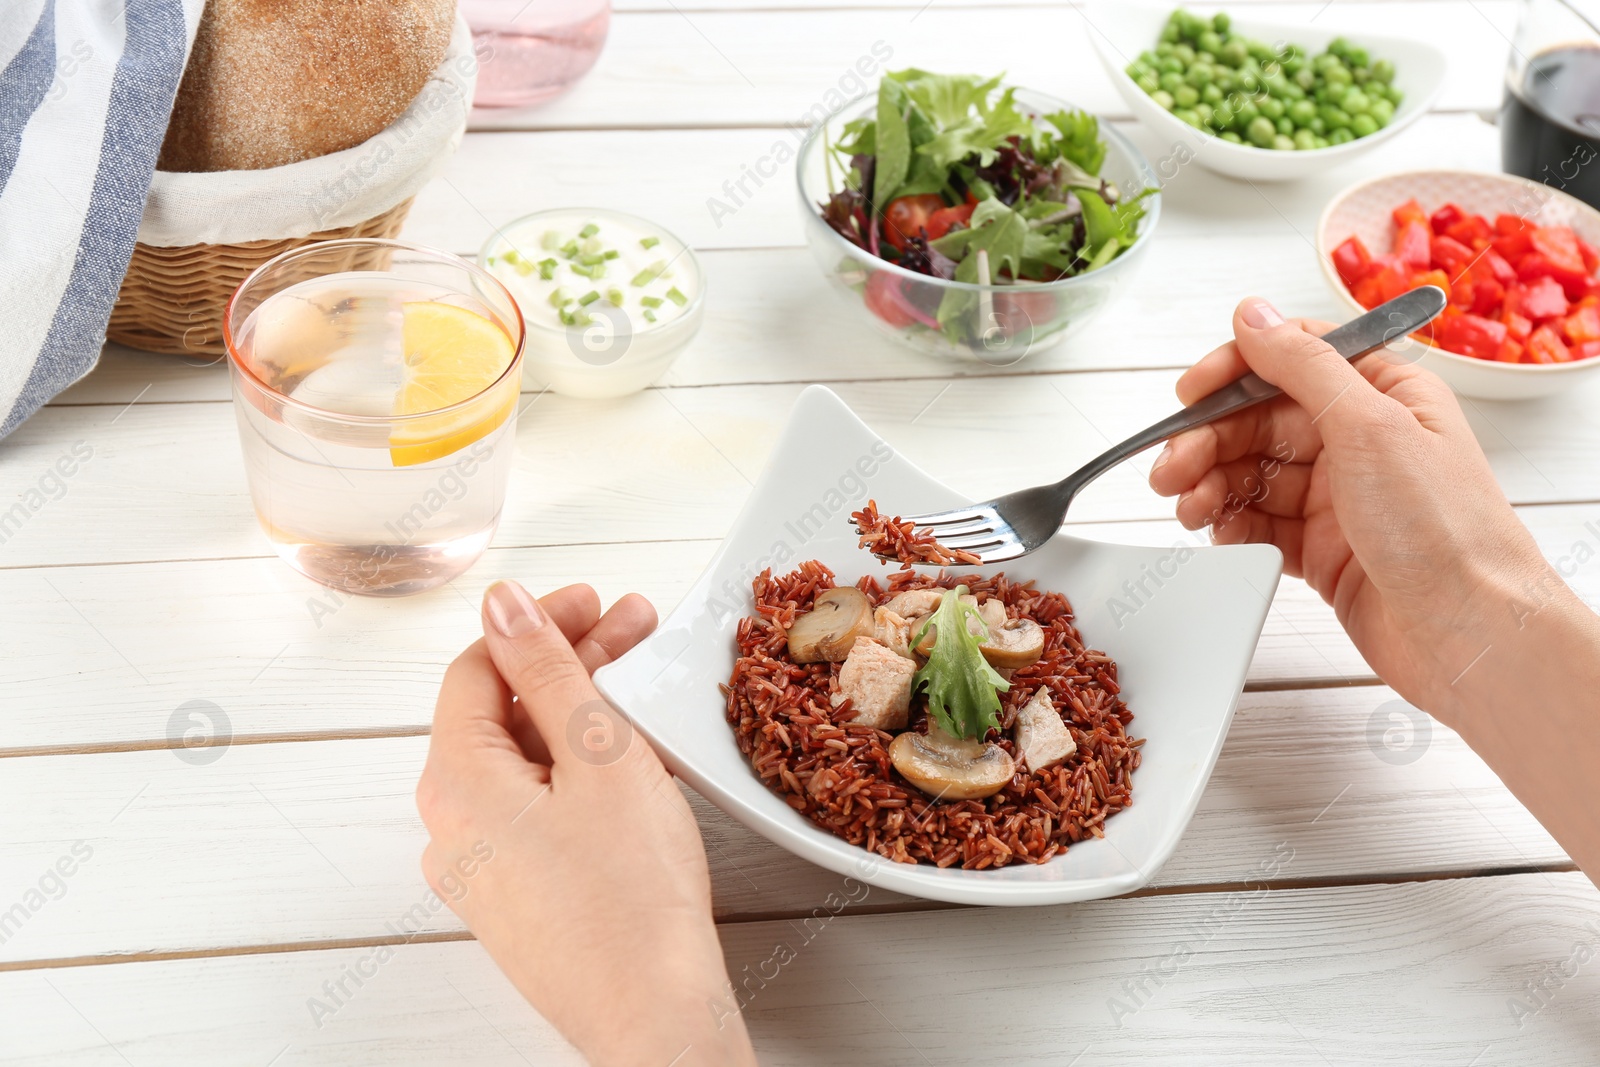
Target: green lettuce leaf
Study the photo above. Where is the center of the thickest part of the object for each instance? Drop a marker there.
(963, 690)
(1079, 142)
(994, 228)
(893, 142)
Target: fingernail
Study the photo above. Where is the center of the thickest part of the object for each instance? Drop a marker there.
(511, 610)
(1161, 460)
(1260, 315)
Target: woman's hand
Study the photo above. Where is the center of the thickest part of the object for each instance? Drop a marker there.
(563, 843)
(1369, 479)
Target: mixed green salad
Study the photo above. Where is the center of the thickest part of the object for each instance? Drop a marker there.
(950, 178)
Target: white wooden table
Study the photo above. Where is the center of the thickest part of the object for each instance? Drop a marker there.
(1412, 900)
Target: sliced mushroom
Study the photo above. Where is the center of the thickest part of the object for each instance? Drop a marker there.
(951, 768)
(877, 682)
(1016, 644)
(892, 630)
(1042, 737)
(915, 602)
(993, 614)
(827, 632)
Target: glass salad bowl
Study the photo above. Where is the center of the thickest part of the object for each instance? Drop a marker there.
(995, 324)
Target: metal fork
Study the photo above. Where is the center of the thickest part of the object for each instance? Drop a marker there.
(1017, 523)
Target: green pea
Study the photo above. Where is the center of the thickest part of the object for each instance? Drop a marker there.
(1234, 53)
(1148, 58)
(1364, 125)
(1186, 95)
(1149, 83)
(1354, 102)
(1213, 94)
(1396, 97)
(1171, 82)
(1302, 112)
(1261, 131)
(1189, 116)
(1305, 140)
(1334, 117)
(1248, 80)
(1272, 109)
(1359, 75)
(1199, 75)
(1341, 135)
(1294, 65)
(1193, 25)
(1220, 22)
(1222, 116)
(1203, 56)
(1383, 71)
(1292, 92)
(1170, 65)
(1247, 113)
(1357, 57)
(1258, 51)
(1283, 143)
(1306, 79)
(1231, 137)
(1204, 110)
(1170, 32)
(1382, 112)
(1285, 127)
(1338, 46)
(1183, 53)
(1210, 41)
(1317, 126)
(1339, 75)
(1164, 98)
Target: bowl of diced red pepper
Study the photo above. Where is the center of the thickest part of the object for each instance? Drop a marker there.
(1517, 259)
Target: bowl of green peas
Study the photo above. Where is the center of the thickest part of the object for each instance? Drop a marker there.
(1259, 100)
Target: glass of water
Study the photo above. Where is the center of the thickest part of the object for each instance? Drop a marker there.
(377, 410)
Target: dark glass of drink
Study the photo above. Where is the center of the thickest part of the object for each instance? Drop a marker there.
(1550, 121)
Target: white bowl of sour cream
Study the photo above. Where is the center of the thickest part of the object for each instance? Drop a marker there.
(610, 300)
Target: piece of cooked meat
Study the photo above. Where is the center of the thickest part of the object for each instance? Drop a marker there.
(1043, 739)
(877, 682)
(892, 630)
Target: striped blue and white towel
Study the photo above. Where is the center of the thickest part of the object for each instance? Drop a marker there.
(86, 90)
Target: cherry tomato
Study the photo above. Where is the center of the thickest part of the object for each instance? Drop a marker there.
(941, 221)
(907, 216)
(884, 300)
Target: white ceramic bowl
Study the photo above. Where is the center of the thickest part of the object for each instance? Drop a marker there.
(1365, 211)
(1182, 654)
(1121, 30)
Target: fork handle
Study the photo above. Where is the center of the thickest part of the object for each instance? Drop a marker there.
(1407, 312)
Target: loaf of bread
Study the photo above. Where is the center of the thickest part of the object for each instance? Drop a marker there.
(271, 82)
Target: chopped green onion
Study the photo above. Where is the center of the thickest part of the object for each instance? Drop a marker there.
(644, 277)
(650, 301)
(523, 267)
(592, 245)
(570, 249)
(510, 257)
(489, 262)
(550, 241)
(615, 296)
(589, 259)
(677, 297)
(579, 268)
(649, 316)
(589, 230)
(612, 253)
(547, 268)
(559, 296)
(590, 297)
(649, 242)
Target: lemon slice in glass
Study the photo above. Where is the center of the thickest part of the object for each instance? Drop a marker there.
(451, 354)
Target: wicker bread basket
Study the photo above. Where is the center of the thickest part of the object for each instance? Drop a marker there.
(172, 299)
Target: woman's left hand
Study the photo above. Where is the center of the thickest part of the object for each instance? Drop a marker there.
(565, 846)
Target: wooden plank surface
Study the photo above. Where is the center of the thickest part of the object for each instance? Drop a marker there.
(319, 841)
(1415, 974)
(117, 644)
(674, 67)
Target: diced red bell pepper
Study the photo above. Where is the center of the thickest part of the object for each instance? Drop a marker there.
(1582, 325)
(1546, 346)
(1518, 326)
(1351, 259)
(1587, 350)
(1445, 217)
(1487, 295)
(1411, 245)
(1503, 272)
(1540, 298)
(1472, 231)
(1505, 225)
(1472, 335)
(1450, 255)
(1431, 277)
(1511, 351)
(1591, 255)
(1410, 211)
(1556, 254)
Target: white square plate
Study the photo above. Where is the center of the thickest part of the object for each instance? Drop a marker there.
(1182, 644)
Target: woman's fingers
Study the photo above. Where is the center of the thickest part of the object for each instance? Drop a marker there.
(1278, 431)
(1264, 484)
(1225, 363)
(629, 621)
(1253, 527)
(539, 664)
(574, 609)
